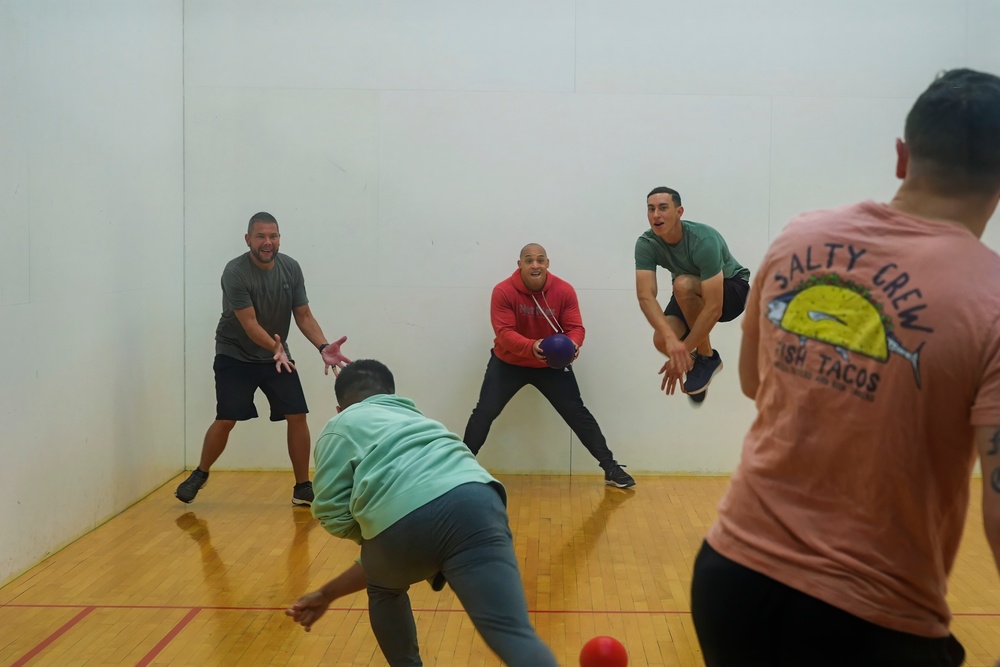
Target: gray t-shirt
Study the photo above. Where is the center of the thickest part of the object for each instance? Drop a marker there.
(702, 252)
(272, 293)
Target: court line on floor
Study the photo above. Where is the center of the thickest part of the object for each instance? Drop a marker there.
(636, 612)
(167, 638)
(54, 636)
(195, 610)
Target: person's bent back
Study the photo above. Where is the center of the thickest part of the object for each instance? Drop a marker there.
(412, 494)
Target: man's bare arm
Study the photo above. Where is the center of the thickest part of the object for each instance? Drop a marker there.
(749, 371)
(988, 443)
(679, 360)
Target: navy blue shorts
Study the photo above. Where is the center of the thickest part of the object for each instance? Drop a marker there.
(734, 300)
(237, 381)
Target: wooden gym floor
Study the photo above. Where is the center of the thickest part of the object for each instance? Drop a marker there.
(165, 583)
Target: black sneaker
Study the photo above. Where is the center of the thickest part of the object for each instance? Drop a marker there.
(615, 476)
(303, 494)
(188, 489)
(700, 376)
(437, 582)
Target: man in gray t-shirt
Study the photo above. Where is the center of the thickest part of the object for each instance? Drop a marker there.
(261, 292)
(708, 286)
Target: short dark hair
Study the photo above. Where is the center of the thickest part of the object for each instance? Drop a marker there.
(663, 190)
(361, 379)
(953, 132)
(263, 216)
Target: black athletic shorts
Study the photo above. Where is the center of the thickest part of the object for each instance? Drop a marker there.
(734, 300)
(236, 382)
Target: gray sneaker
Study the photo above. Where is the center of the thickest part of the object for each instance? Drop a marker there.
(188, 489)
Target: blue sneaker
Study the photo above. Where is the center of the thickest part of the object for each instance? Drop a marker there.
(700, 376)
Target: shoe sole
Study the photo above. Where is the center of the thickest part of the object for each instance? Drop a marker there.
(710, 377)
(609, 482)
(301, 503)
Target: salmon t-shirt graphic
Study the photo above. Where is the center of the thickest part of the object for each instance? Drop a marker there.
(848, 317)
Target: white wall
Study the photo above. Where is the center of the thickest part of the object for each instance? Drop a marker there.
(91, 310)
(409, 150)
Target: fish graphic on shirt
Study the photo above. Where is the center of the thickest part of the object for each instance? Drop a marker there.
(830, 310)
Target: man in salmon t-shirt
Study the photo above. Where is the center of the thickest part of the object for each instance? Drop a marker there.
(527, 307)
(872, 349)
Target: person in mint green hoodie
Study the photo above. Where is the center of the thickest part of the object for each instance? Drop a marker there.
(414, 497)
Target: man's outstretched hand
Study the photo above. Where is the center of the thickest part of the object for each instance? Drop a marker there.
(307, 609)
(281, 359)
(678, 363)
(333, 358)
(670, 379)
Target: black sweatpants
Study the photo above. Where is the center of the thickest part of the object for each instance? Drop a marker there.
(746, 619)
(503, 380)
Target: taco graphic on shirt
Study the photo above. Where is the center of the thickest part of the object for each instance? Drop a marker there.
(843, 314)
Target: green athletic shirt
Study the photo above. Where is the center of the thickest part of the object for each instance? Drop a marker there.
(379, 460)
(702, 252)
(272, 293)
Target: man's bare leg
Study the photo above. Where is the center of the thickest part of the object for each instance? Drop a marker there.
(298, 446)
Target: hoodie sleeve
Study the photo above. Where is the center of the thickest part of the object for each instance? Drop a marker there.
(505, 324)
(570, 318)
(333, 484)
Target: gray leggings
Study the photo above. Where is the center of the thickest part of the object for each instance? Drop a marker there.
(463, 534)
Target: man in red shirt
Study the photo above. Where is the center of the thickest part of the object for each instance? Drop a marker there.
(526, 308)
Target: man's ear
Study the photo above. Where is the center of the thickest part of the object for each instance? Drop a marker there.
(902, 158)
(339, 409)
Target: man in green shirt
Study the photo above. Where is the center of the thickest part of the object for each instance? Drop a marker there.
(708, 286)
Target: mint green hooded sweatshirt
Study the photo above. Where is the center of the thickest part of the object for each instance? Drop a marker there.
(379, 460)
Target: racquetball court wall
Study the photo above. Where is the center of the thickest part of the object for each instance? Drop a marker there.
(408, 150)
